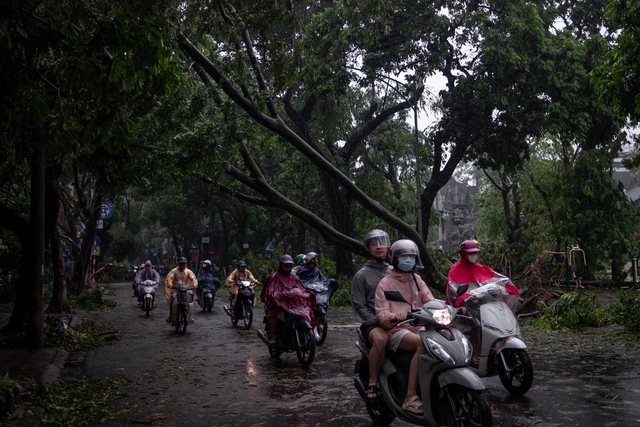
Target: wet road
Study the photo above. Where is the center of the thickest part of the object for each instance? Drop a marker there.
(218, 374)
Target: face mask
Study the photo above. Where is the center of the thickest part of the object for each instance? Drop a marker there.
(473, 258)
(406, 264)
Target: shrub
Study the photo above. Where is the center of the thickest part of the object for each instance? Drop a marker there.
(573, 310)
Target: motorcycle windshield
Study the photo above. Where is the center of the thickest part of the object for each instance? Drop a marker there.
(510, 295)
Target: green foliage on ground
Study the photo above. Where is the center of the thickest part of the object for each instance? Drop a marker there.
(627, 312)
(86, 336)
(92, 301)
(70, 404)
(572, 311)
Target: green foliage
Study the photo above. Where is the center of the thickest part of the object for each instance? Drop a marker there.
(86, 336)
(573, 310)
(627, 312)
(92, 301)
(70, 404)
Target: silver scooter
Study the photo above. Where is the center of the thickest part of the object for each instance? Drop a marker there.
(493, 330)
(451, 393)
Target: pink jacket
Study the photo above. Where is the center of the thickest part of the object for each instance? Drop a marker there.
(403, 282)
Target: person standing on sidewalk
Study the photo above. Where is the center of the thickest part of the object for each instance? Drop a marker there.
(363, 292)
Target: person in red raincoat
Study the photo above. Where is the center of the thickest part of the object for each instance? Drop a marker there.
(469, 271)
(283, 291)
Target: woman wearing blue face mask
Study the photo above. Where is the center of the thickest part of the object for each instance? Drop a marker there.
(404, 258)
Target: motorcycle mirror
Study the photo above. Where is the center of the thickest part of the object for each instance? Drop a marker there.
(394, 296)
(462, 289)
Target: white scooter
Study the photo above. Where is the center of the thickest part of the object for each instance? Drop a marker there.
(493, 330)
(148, 296)
(451, 393)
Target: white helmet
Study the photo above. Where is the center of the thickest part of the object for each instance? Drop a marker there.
(380, 237)
(308, 257)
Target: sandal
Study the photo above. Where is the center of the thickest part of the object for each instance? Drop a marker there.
(372, 400)
(414, 405)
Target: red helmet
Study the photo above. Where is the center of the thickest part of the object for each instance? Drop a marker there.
(469, 246)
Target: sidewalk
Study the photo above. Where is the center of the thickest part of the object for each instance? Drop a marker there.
(42, 364)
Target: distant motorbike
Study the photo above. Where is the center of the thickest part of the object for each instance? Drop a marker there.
(181, 308)
(148, 297)
(207, 290)
(451, 393)
(244, 304)
(324, 290)
(293, 333)
(493, 330)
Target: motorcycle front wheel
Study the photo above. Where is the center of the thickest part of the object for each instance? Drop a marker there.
(321, 326)
(306, 346)
(468, 408)
(247, 314)
(147, 305)
(181, 327)
(208, 304)
(517, 377)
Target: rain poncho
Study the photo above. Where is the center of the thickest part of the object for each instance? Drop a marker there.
(313, 280)
(475, 275)
(207, 278)
(285, 293)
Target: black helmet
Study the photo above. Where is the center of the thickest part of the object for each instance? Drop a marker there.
(242, 263)
(182, 260)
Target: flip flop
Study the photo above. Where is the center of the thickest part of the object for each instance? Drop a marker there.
(413, 405)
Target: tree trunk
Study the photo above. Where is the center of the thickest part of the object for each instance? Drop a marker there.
(83, 262)
(35, 312)
(59, 302)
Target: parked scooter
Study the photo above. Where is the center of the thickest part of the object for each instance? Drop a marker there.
(493, 330)
(147, 300)
(324, 290)
(451, 393)
(293, 333)
(181, 308)
(244, 304)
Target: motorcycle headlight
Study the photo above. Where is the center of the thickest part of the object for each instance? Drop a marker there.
(440, 352)
(442, 316)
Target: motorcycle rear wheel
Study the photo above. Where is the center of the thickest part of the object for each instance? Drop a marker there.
(321, 325)
(519, 378)
(182, 321)
(306, 349)
(469, 408)
(247, 314)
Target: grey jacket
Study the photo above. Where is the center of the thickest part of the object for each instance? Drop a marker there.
(363, 291)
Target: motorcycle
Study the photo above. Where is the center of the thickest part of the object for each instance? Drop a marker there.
(493, 330)
(244, 304)
(181, 308)
(207, 296)
(451, 393)
(293, 333)
(324, 290)
(147, 300)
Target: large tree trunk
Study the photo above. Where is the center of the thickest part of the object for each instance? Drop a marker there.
(83, 262)
(59, 302)
(35, 313)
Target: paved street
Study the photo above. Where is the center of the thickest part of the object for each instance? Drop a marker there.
(218, 374)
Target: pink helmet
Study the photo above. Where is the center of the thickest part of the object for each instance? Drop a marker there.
(469, 246)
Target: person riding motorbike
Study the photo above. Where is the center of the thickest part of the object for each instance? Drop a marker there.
(404, 259)
(468, 271)
(363, 288)
(179, 275)
(206, 276)
(284, 292)
(241, 272)
(146, 273)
